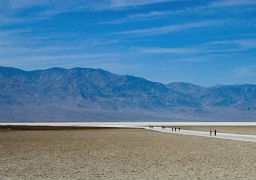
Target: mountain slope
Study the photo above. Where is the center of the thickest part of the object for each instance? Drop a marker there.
(95, 94)
(242, 97)
(87, 88)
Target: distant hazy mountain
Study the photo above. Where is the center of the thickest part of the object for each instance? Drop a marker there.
(96, 95)
(242, 97)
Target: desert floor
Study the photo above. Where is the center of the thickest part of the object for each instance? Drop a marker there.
(122, 154)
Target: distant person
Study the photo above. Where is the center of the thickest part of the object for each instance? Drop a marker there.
(210, 132)
(175, 129)
(179, 129)
(215, 132)
(172, 129)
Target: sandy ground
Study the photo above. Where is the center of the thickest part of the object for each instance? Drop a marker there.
(248, 130)
(122, 154)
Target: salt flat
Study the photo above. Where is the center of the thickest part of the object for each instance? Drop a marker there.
(230, 136)
(132, 124)
(145, 125)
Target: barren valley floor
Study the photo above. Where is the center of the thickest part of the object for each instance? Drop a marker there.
(122, 154)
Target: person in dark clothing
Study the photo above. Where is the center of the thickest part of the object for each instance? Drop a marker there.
(172, 129)
(175, 129)
(179, 129)
(210, 132)
(215, 132)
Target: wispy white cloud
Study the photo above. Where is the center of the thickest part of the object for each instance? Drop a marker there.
(172, 28)
(246, 71)
(211, 8)
(49, 8)
(159, 50)
(200, 58)
(138, 17)
(14, 46)
(129, 3)
(12, 32)
(67, 5)
(53, 7)
(230, 45)
(208, 48)
(153, 15)
(225, 3)
(22, 4)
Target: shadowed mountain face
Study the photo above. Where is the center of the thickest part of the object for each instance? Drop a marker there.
(87, 88)
(242, 97)
(78, 92)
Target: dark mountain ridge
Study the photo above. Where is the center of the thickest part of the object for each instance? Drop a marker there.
(86, 89)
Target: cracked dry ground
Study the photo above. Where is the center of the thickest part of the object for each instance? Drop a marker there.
(122, 154)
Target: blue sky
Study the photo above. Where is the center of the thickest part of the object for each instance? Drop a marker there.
(198, 41)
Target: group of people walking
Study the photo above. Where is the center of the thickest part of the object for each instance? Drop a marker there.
(163, 127)
(173, 128)
(215, 132)
(176, 129)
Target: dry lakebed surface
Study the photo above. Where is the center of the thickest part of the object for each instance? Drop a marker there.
(123, 153)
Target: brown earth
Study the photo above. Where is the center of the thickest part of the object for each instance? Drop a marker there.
(122, 154)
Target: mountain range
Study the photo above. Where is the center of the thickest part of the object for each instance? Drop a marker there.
(85, 94)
